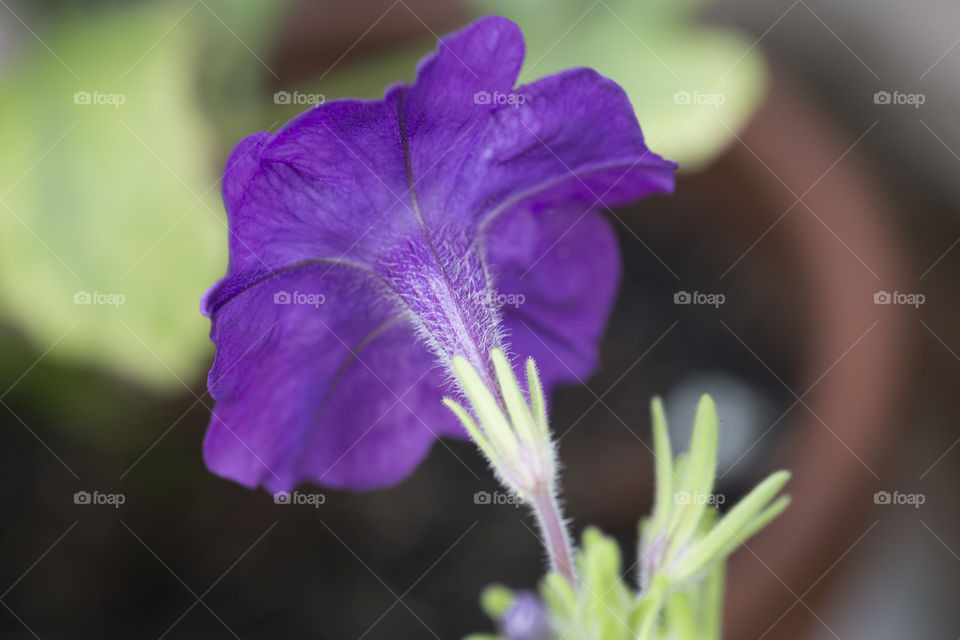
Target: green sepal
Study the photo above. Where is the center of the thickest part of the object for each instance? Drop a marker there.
(729, 532)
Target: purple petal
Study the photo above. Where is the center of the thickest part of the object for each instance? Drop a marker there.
(526, 619)
(334, 392)
(557, 273)
(574, 136)
(330, 185)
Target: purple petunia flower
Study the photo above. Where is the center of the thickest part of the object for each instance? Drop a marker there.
(372, 240)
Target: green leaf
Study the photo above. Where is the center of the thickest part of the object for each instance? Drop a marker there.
(711, 603)
(756, 523)
(680, 616)
(601, 606)
(729, 531)
(663, 465)
(697, 483)
(560, 598)
(647, 608)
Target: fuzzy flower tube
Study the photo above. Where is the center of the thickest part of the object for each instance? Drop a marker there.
(375, 244)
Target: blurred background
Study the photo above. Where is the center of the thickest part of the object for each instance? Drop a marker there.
(805, 273)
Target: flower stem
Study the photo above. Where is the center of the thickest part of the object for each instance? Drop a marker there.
(556, 539)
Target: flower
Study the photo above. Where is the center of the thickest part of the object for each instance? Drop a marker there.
(371, 241)
(526, 619)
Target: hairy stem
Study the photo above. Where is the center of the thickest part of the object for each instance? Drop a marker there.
(556, 539)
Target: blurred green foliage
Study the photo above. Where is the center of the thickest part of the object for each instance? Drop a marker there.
(110, 183)
(115, 199)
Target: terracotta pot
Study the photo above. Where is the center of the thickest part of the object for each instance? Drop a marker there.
(317, 36)
(840, 248)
